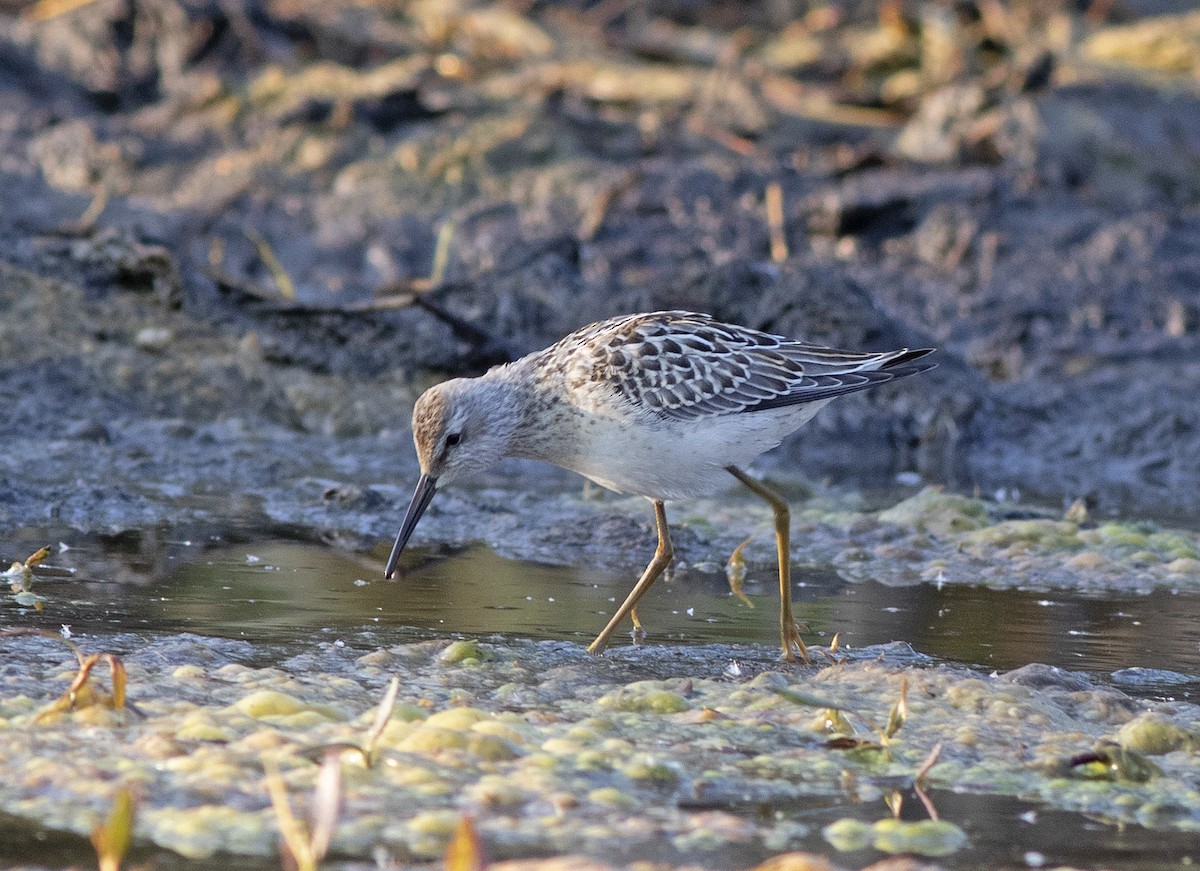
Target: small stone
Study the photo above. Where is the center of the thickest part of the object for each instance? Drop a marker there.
(1089, 560)
(153, 338)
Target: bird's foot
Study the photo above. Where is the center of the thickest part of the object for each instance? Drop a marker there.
(638, 634)
(793, 645)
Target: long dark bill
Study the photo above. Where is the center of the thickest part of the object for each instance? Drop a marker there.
(426, 487)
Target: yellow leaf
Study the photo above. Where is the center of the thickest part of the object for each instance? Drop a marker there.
(119, 678)
(113, 837)
(294, 844)
(465, 852)
(37, 557)
(899, 712)
(735, 571)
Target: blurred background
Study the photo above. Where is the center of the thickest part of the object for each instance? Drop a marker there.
(237, 239)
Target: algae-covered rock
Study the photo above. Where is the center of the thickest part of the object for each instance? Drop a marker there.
(1124, 535)
(431, 739)
(651, 770)
(565, 772)
(612, 797)
(510, 732)
(430, 832)
(266, 704)
(1154, 736)
(496, 792)
(796, 862)
(933, 510)
(924, 838)
(202, 726)
(1047, 534)
(457, 718)
(644, 697)
(468, 652)
(1088, 560)
(201, 831)
(492, 748)
(848, 835)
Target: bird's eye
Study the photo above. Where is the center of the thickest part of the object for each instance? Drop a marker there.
(452, 439)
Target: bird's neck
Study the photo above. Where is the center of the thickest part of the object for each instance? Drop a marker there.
(506, 402)
(538, 420)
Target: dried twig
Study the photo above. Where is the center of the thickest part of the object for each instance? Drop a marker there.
(441, 253)
(597, 210)
(247, 288)
(44, 10)
(86, 222)
(919, 781)
(282, 280)
(930, 761)
(383, 714)
(304, 846)
(779, 246)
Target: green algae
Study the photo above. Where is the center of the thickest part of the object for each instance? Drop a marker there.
(1042, 534)
(651, 770)
(596, 758)
(271, 705)
(923, 838)
(644, 697)
(466, 653)
(948, 538)
(613, 797)
(492, 748)
(432, 740)
(1155, 736)
(933, 510)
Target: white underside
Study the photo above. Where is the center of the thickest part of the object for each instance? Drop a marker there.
(684, 459)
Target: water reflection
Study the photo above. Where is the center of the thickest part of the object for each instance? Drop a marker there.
(278, 590)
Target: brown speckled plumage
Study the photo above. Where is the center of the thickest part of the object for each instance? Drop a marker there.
(664, 405)
(686, 366)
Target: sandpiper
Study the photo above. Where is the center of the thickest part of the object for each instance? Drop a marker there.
(662, 405)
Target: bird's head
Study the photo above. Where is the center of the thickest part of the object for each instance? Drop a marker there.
(460, 428)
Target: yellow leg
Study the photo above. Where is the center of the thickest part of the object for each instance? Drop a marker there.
(662, 558)
(789, 634)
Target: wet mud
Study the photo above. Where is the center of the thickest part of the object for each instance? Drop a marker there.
(223, 231)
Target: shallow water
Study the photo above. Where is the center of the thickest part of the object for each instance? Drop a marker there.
(288, 593)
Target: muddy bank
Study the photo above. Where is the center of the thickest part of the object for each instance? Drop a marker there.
(219, 235)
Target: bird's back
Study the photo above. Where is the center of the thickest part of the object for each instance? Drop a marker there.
(683, 366)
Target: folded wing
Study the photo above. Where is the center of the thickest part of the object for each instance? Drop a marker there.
(685, 366)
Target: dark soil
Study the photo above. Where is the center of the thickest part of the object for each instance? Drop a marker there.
(219, 227)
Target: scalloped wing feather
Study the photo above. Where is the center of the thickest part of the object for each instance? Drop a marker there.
(685, 366)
